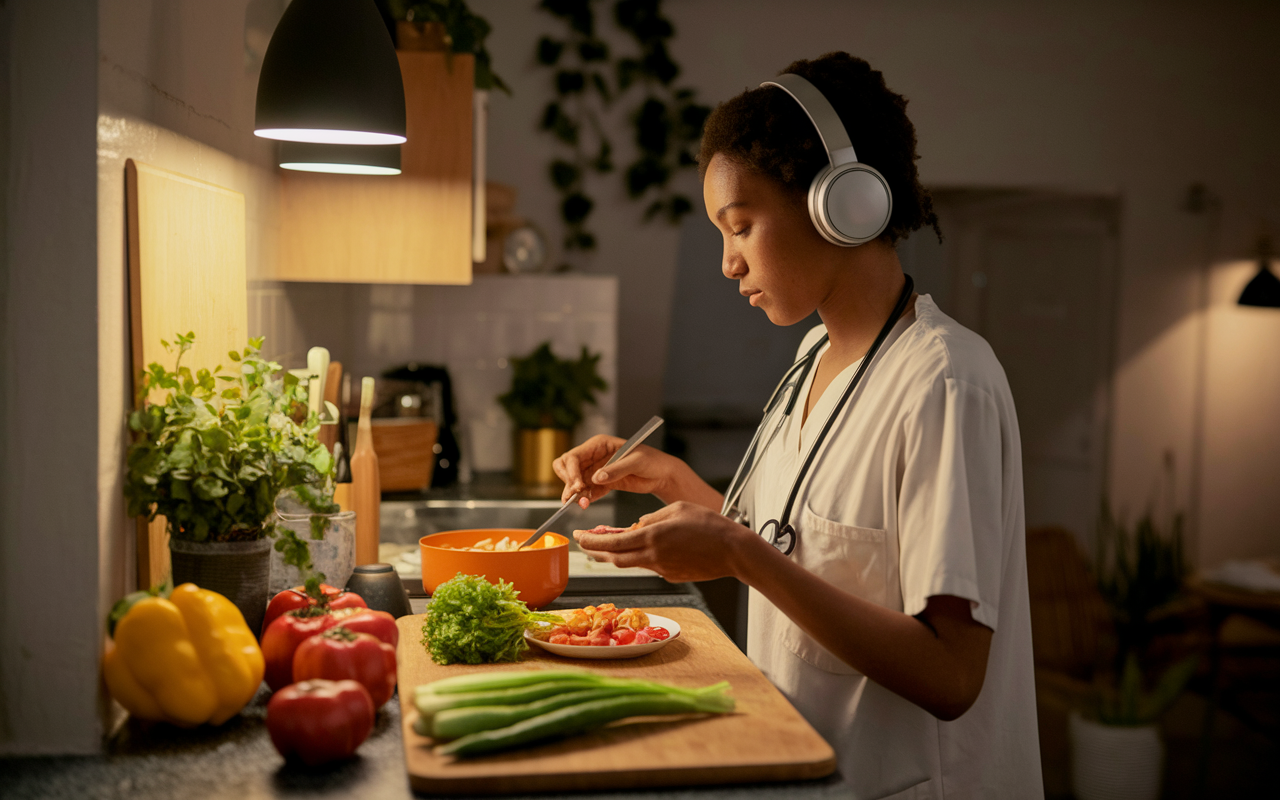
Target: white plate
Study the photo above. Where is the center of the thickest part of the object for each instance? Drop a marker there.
(614, 651)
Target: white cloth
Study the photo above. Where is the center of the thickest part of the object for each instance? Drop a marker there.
(917, 492)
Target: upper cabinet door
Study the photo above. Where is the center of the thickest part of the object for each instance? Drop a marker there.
(409, 228)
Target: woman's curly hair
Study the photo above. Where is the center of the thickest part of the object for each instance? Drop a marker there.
(766, 131)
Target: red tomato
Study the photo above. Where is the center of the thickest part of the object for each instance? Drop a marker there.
(624, 636)
(282, 638)
(295, 598)
(659, 634)
(366, 620)
(319, 721)
(338, 654)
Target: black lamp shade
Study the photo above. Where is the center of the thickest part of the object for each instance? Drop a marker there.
(350, 159)
(1263, 290)
(331, 75)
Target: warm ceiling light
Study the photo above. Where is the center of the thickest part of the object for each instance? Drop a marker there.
(328, 137)
(341, 169)
(1264, 290)
(341, 158)
(331, 75)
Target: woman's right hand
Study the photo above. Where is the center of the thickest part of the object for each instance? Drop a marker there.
(644, 470)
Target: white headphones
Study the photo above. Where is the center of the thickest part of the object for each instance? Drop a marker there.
(849, 202)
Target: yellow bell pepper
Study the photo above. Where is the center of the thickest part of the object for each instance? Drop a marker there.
(188, 659)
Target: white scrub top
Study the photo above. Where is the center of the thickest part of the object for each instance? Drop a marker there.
(917, 492)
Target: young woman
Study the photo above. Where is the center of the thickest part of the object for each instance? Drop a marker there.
(884, 532)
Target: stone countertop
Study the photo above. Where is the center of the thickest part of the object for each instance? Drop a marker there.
(237, 760)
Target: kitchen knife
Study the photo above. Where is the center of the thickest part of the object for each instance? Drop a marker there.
(631, 444)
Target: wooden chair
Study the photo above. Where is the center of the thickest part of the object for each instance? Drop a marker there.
(1071, 633)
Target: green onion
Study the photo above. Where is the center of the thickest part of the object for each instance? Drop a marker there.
(582, 717)
(484, 681)
(454, 722)
(429, 703)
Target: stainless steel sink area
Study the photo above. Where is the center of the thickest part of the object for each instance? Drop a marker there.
(496, 503)
(406, 521)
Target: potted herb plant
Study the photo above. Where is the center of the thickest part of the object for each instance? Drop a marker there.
(1116, 748)
(211, 459)
(545, 404)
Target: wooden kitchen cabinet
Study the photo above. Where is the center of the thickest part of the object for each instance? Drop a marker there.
(409, 228)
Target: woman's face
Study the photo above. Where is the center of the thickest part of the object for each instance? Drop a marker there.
(781, 263)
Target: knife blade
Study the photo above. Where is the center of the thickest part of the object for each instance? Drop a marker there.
(639, 436)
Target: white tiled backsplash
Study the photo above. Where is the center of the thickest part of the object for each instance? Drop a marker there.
(472, 330)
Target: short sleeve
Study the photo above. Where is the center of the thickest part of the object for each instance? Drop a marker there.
(950, 505)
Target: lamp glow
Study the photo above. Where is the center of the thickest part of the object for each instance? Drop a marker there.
(323, 136)
(341, 169)
(344, 159)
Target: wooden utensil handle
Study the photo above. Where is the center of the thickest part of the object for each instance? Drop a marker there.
(366, 492)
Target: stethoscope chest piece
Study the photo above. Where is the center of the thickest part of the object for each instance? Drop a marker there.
(780, 535)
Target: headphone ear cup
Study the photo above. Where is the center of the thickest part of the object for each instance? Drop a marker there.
(850, 204)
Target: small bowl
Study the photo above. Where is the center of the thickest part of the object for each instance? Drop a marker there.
(379, 585)
(539, 574)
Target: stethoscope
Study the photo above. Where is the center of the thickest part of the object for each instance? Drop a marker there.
(779, 532)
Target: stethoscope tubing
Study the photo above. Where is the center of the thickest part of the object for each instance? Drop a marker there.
(739, 482)
(782, 525)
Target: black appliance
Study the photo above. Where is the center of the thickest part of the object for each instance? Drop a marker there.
(434, 383)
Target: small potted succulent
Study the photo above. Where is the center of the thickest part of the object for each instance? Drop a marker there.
(545, 404)
(211, 459)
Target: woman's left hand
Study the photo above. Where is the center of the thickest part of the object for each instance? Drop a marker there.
(681, 542)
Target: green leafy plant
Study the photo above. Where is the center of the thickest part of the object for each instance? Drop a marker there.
(582, 93)
(667, 121)
(1140, 575)
(465, 32)
(212, 456)
(472, 621)
(1129, 702)
(549, 392)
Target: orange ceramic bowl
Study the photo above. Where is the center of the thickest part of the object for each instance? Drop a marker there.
(539, 574)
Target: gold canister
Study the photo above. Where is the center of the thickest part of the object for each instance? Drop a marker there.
(535, 449)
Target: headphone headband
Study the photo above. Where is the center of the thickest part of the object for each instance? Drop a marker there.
(849, 202)
(830, 129)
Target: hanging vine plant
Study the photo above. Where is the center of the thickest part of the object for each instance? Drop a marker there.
(667, 122)
(573, 117)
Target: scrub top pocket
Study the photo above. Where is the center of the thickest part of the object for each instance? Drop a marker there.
(848, 557)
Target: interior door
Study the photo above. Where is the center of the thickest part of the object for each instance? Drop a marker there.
(1034, 274)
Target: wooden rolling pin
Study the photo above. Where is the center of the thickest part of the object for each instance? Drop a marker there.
(366, 493)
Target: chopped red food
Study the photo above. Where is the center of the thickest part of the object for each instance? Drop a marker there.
(657, 633)
(603, 626)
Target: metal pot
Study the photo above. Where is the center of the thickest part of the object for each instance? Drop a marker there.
(535, 449)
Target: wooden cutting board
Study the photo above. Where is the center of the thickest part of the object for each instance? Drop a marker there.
(765, 740)
(186, 273)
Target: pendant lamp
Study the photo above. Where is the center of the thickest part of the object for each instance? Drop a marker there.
(1264, 290)
(330, 75)
(348, 159)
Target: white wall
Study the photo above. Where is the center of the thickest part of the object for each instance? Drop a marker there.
(50, 629)
(1137, 98)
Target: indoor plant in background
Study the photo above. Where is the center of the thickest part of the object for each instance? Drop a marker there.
(1116, 747)
(446, 25)
(545, 404)
(211, 458)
